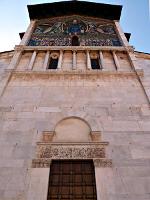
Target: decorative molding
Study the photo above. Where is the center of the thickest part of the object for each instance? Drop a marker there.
(96, 136)
(45, 163)
(41, 163)
(71, 151)
(102, 162)
(48, 136)
(77, 73)
(73, 48)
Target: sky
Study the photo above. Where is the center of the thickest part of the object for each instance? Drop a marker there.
(135, 19)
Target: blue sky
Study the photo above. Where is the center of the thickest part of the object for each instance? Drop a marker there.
(135, 19)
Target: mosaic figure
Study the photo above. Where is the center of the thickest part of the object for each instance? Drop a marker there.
(58, 32)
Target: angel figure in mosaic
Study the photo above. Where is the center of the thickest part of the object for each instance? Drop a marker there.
(55, 28)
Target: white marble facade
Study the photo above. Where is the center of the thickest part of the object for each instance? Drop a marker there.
(108, 108)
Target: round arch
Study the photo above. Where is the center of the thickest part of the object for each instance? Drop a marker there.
(72, 129)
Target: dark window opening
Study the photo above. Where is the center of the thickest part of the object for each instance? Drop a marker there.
(72, 179)
(53, 63)
(95, 64)
(75, 41)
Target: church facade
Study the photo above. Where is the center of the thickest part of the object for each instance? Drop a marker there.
(74, 102)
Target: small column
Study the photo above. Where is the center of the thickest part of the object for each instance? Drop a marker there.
(60, 60)
(101, 59)
(116, 60)
(30, 67)
(46, 60)
(28, 33)
(88, 60)
(74, 63)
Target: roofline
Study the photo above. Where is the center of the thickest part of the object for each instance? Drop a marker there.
(141, 52)
(6, 51)
(64, 8)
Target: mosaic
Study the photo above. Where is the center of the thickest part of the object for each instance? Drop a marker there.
(59, 32)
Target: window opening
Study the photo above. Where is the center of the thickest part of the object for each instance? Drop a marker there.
(53, 63)
(72, 179)
(75, 41)
(95, 63)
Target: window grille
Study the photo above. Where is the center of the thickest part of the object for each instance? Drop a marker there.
(72, 179)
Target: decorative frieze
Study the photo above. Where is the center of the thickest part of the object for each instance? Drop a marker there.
(41, 163)
(102, 162)
(71, 151)
(45, 163)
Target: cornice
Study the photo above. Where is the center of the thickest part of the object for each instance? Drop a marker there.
(76, 73)
(71, 48)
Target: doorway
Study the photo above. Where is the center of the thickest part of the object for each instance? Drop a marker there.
(72, 179)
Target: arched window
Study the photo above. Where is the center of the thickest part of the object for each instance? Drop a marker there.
(95, 63)
(75, 41)
(53, 63)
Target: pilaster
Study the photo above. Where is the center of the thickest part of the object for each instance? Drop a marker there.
(30, 66)
(117, 65)
(46, 60)
(60, 59)
(28, 33)
(121, 34)
(74, 64)
(88, 60)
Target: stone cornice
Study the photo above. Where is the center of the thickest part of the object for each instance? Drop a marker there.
(73, 143)
(142, 55)
(71, 48)
(87, 73)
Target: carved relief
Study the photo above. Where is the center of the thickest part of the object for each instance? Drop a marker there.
(41, 163)
(102, 162)
(71, 151)
(59, 32)
(48, 150)
(45, 163)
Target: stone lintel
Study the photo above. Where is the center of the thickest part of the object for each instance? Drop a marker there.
(45, 163)
(71, 150)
